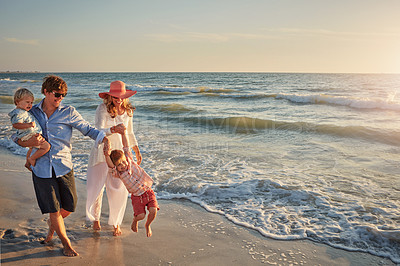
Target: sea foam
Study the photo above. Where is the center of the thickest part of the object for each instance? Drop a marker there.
(358, 103)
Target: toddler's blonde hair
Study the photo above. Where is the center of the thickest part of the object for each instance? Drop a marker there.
(22, 93)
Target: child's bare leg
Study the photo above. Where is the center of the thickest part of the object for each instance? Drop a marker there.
(28, 154)
(117, 231)
(27, 163)
(31, 161)
(150, 218)
(43, 149)
(135, 221)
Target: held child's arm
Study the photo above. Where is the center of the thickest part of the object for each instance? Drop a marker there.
(107, 151)
(121, 129)
(127, 149)
(110, 164)
(138, 154)
(23, 125)
(125, 142)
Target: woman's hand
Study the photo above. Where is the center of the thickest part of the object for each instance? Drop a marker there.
(120, 128)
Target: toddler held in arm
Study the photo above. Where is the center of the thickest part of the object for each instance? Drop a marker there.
(26, 125)
(136, 181)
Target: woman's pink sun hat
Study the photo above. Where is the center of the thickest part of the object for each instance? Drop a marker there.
(117, 89)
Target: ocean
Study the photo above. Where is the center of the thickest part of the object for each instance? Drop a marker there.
(291, 155)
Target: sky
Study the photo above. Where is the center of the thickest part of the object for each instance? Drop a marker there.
(317, 36)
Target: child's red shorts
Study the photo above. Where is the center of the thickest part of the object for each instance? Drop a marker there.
(139, 203)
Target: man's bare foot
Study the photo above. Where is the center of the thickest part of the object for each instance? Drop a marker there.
(28, 165)
(96, 226)
(148, 230)
(117, 231)
(70, 252)
(134, 226)
(50, 234)
(31, 161)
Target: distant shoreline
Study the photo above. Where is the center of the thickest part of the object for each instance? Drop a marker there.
(17, 71)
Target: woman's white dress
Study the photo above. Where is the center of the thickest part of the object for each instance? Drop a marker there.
(97, 174)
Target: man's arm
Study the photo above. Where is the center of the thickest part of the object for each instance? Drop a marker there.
(77, 122)
(36, 140)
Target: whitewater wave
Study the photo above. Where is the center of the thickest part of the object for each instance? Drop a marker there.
(21, 81)
(286, 214)
(172, 92)
(169, 108)
(353, 102)
(251, 125)
(177, 89)
(12, 146)
(357, 103)
(5, 99)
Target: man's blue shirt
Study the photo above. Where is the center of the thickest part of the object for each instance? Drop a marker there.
(57, 130)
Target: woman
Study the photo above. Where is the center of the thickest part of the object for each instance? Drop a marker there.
(113, 116)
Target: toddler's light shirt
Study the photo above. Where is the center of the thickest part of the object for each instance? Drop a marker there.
(21, 116)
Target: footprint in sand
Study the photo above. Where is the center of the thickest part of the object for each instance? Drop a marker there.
(8, 234)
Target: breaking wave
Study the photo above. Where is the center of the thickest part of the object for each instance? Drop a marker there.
(254, 125)
(358, 103)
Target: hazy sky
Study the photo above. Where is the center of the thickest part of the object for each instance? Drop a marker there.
(356, 36)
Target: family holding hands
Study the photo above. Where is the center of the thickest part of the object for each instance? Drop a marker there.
(46, 128)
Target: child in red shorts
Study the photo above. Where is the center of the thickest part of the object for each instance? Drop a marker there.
(136, 181)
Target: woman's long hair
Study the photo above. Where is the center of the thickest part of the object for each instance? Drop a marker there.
(112, 110)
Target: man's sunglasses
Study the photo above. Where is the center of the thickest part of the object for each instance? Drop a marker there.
(58, 95)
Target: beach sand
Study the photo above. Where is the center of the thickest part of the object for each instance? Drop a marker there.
(183, 234)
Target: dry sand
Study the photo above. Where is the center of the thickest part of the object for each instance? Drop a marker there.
(183, 234)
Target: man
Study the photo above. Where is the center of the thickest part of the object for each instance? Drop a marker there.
(53, 176)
